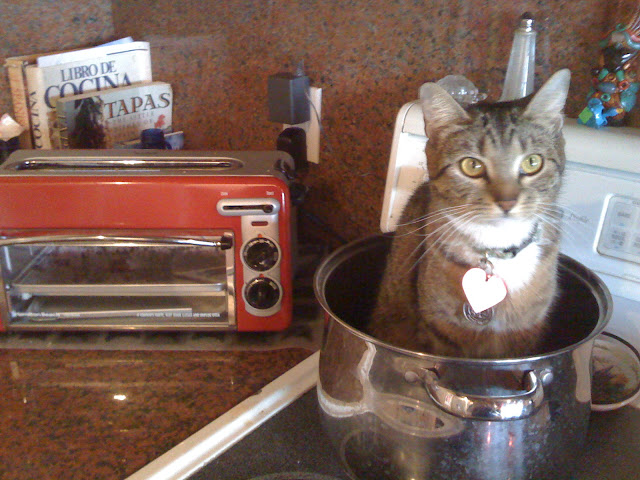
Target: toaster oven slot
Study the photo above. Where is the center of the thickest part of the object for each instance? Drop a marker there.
(133, 163)
(119, 281)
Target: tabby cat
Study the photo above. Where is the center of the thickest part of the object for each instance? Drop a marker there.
(495, 172)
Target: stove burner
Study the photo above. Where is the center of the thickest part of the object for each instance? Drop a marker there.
(295, 476)
(367, 444)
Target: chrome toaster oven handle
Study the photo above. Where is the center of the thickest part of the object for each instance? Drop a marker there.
(225, 242)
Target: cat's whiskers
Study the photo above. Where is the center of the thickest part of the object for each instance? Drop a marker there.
(454, 236)
(420, 228)
(452, 225)
(551, 210)
(557, 214)
(549, 224)
(417, 248)
(444, 235)
(449, 223)
(436, 212)
(434, 215)
(446, 226)
(430, 219)
(560, 211)
(548, 218)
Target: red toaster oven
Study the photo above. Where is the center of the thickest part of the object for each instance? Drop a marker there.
(145, 239)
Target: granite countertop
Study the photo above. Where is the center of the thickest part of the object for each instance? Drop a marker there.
(102, 405)
(99, 414)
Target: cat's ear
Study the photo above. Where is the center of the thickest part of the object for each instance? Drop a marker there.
(440, 109)
(547, 105)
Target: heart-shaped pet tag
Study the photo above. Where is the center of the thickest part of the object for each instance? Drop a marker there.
(483, 291)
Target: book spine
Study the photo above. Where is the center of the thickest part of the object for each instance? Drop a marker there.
(37, 108)
(19, 96)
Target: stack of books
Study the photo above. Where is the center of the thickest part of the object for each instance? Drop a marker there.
(100, 97)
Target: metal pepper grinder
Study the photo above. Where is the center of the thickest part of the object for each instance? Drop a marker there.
(519, 79)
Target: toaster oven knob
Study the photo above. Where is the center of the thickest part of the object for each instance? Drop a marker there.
(262, 293)
(261, 254)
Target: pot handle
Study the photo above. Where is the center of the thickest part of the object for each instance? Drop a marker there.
(479, 407)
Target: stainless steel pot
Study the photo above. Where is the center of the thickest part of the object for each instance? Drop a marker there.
(398, 414)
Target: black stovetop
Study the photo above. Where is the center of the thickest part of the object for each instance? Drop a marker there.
(292, 446)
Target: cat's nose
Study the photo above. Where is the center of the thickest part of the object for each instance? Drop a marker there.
(507, 205)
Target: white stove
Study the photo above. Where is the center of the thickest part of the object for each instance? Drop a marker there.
(602, 215)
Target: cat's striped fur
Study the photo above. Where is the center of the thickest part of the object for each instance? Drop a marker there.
(452, 220)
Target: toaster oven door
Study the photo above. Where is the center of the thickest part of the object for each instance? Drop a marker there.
(118, 280)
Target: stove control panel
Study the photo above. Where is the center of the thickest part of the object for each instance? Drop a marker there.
(619, 234)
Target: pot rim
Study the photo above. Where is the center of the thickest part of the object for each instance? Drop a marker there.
(331, 261)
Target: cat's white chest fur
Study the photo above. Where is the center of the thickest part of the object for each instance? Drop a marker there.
(518, 271)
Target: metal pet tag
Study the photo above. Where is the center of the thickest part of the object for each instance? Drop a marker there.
(480, 318)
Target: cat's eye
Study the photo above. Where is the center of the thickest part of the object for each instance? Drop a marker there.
(532, 164)
(472, 167)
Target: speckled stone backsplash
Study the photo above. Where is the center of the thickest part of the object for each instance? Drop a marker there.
(368, 56)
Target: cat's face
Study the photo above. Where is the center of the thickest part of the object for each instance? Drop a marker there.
(501, 164)
(507, 172)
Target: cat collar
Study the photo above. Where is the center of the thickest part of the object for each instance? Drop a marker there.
(511, 252)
